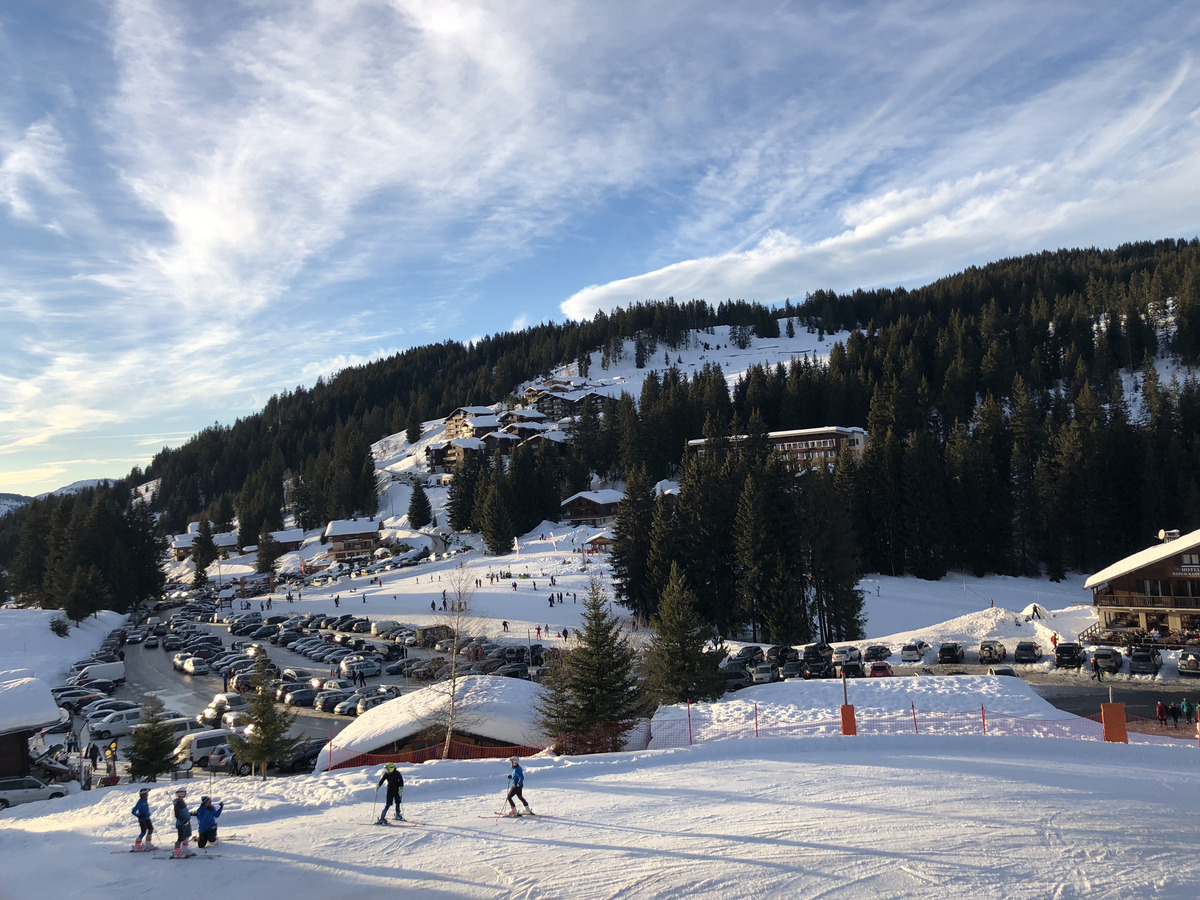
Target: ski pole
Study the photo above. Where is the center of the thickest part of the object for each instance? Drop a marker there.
(375, 805)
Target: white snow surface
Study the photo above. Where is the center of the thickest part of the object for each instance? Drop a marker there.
(25, 703)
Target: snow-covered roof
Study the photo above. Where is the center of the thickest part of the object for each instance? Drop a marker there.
(600, 537)
(487, 705)
(603, 497)
(1149, 556)
(26, 704)
(492, 422)
(502, 436)
(527, 414)
(468, 443)
(470, 411)
(183, 541)
(340, 527)
(666, 486)
(290, 536)
(225, 539)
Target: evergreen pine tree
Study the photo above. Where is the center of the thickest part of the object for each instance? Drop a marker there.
(496, 525)
(590, 698)
(631, 546)
(677, 668)
(268, 553)
(151, 743)
(412, 431)
(204, 552)
(420, 513)
(269, 740)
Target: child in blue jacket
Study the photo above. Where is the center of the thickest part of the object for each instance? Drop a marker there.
(206, 821)
(142, 810)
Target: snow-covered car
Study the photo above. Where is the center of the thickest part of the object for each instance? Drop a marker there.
(1027, 652)
(914, 652)
(846, 654)
(992, 651)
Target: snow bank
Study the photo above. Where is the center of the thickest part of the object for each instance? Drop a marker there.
(26, 703)
(26, 641)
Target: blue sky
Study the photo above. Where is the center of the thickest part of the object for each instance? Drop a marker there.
(202, 204)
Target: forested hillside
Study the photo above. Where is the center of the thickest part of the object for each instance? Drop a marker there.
(1018, 416)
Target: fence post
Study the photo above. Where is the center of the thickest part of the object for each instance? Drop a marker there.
(689, 712)
(983, 715)
(916, 730)
(756, 719)
(1112, 716)
(849, 726)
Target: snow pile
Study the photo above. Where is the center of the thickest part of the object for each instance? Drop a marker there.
(497, 708)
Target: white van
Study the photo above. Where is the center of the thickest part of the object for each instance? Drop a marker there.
(383, 626)
(178, 727)
(114, 724)
(198, 746)
(113, 671)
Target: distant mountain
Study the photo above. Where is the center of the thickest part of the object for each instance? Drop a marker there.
(75, 487)
(9, 502)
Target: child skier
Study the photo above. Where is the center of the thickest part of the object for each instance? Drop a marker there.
(395, 792)
(142, 810)
(518, 781)
(206, 821)
(183, 825)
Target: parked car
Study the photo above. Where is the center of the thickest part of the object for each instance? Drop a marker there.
(233, 721)
(1144, 661)
(764, 674)
(151, 641)
(879, 669)
(1008, 671)
(736, 678)
(852, 668)
(1068, 655)
(96, 707)
(302, 760)
(301, 696)
(992, 651)
(114, 723)
(951, 652)
(818, 652)
(327, 700)
(819, 669)
(371, 702)
(914, 652)
(1027, 652)
(794, 669)
(846, 654)
(194, 665)
(513, 670)
(877, 652)
(751, 655)
(220, 756)
(780, 655)
(1189, 660)
(25, 789)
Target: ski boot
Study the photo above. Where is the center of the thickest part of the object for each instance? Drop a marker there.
(137, 846)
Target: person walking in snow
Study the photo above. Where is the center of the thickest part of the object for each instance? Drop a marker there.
(206, 821)
(183, 825)
(1097, 672)
(395, 792)
(517, 777)
(141, 809)
(1188, 710)
(1160, 710)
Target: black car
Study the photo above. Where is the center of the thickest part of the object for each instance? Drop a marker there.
(819, 652)
(172, 642)
(819, 669)
(794, 669)
(302, 760)
(513, 670)
(877, 653)
(779, 655)
(950, 652)
(852, 669)
(1068, 656)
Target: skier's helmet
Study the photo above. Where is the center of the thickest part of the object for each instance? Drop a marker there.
(144, 791)
(391, 767)
(182, 792)
(206, 800)
(512, 760)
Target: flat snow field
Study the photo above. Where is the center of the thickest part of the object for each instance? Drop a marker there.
(898, 817)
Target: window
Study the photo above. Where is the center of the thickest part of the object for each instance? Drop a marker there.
(1191, 559)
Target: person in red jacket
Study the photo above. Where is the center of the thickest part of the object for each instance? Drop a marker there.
(1161, 712)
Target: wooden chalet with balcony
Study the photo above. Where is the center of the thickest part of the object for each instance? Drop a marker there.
(353, 538)
(1155, 592)
(591, 507)
(802, 448)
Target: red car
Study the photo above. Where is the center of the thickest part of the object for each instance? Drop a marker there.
(879, 670)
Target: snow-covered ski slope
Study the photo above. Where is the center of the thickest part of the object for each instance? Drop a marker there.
(898, 817)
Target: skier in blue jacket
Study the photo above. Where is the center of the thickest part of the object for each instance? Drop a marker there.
(206, 821)
(518, 782)
(142, 810)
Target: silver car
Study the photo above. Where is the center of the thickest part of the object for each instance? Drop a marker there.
(15, 791)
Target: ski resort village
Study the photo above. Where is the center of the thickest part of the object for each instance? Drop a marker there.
(341, 708)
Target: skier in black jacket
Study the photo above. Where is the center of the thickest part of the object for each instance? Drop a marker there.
(395, 792)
